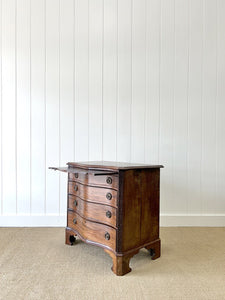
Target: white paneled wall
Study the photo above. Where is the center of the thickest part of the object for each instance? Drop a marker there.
(126, 80)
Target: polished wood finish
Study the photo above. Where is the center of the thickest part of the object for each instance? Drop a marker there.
(155, 249)
(95, 179)
(92, 231)
(68, 237)
(92, 211)
(121, 262)
(114, 206)
(140, 205)
(150, 206)
(110, 165)
(93, 194)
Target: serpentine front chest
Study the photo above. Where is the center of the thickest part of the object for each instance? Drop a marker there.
(115, 206)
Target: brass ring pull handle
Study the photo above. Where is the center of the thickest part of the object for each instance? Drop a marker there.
(107, 236)
(109, 196)
(108, 214)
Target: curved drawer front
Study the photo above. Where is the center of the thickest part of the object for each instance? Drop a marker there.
(94, 232)
(95, 212)
(108, 181)
(93, 194)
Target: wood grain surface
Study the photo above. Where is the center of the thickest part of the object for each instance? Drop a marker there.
(94, 178)
(117, 211)
(139, 208)
(111, 165)
(93, 211)
(92, 232)
(93, 194)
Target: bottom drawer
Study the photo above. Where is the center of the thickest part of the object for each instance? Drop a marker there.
(91, 231)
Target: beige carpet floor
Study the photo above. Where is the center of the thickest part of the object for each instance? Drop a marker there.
(36, 264)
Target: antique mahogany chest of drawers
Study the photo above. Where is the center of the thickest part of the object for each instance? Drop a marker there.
(115, 206)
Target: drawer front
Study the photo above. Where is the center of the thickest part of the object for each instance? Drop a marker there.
(93, 194)
(108, 181)
(95, 212)
(94, 232)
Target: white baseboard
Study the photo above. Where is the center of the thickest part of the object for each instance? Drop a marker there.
(166, 220)
(183, 220)
(33, 221)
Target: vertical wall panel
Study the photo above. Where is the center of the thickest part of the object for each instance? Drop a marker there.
(131, 80)
(23, 106)
(37, 110)
(194, 139)
(138, 81)
(110, 80)
(209, 106)
(81, 80)
(66, 93)
(220, 108)
(124, 80)
(9, 99)
(153, 34)
(96, 67)
(179, 201)
(52, 105)
(166, 102)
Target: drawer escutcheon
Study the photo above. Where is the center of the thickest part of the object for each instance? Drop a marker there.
(107, 236)
(108, 214)
(109, 196)
(109, 180)
(74, 221)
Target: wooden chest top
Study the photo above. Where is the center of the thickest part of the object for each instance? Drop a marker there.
(111, 165)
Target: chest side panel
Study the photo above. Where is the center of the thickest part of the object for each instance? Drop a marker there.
(149, 205)
(130, 210)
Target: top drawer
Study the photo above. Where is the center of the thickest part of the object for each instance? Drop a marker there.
(94, 178)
